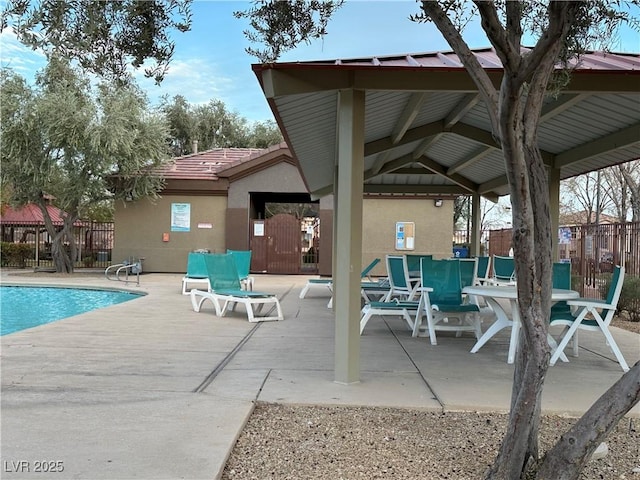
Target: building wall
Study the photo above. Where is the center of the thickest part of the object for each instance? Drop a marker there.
(433, 228)
(140, 226)
(279, 178)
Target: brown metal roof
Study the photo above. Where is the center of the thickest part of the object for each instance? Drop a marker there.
(427, 129)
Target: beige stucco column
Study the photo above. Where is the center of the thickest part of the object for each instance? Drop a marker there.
(554, 210)
(348, 235)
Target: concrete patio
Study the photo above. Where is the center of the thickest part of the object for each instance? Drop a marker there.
(151, 389)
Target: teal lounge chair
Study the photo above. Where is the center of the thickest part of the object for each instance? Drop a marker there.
(196, 272)
(328, 282)
(226, 292)
(243, 265)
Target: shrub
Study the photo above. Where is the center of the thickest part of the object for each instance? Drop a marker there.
(15, 254)
(629, 296)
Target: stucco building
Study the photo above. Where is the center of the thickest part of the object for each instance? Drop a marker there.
(216, 200)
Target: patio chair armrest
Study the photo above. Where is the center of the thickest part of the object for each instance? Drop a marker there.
(589, 302)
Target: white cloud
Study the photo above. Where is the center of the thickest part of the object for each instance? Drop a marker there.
(18, 57)
(196, 79)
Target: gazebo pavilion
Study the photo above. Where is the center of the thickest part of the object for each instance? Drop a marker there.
(416, 124)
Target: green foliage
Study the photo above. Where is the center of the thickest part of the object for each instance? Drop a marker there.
(281, 26)
(629, 296)
(15, 254)
(213, 126)
(103, 37)
(80, 145)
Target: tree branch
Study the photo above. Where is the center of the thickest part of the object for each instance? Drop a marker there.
(568, 457)
(502, 38)
(451, 34)
(560, 15)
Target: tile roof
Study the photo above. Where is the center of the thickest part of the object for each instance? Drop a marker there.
(207, 164)
(31, 213)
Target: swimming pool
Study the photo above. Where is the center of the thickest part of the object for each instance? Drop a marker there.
(23, 307)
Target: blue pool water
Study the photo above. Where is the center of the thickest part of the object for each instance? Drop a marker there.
(27, 307)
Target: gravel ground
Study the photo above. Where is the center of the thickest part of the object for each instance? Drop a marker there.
(310, 442)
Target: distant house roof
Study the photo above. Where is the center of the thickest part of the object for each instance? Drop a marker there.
(30, 214)
(584, 217)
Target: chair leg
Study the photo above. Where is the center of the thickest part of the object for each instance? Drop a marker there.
(365, 318)
(304, 291)
(432, 329)
(567, 336)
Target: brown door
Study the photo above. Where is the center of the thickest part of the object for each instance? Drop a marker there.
(276, 245)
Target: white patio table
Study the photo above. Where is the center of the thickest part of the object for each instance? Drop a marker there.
(491, 294)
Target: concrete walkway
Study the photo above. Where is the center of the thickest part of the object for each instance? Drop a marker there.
(150, 389)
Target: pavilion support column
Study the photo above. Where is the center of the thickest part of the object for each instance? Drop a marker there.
(475, 225)
(348, 235)
(554, 210)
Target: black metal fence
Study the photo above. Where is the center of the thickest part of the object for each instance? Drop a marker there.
(28, 245)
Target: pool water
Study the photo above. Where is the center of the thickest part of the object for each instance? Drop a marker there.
(26, 307)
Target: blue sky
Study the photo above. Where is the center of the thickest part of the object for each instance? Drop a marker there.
(210, 61)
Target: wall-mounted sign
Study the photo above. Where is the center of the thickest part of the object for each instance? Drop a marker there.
(405, 235)
(205, 225)
(564, 236)
(180, 217)
(258, 229)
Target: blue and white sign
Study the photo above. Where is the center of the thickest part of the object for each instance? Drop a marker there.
(180, 217)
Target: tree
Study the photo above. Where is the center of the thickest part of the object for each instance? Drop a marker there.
(564, 29)
(586, 193)
(213, 126)
(62, 139)
(103, 37)
(623, 182)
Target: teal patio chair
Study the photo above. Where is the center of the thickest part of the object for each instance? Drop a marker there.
(561, 278)
(441, 301)
(504, 270)
(225, 292)
(196, 271)
(328, 282)
(400, 284)
(481, 276)
(468, 269)
(243, 265)
(413, 263)
(592, 315)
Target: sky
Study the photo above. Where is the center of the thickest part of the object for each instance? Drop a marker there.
(210, 62)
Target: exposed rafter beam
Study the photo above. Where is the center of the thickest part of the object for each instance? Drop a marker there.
(470, 160)
(389, 166)
(485, 137)
(408, 115)
(491, 185)
(435, 167)
(435, 189)
(412, 171)
(563, 103)
(621, 139)
(424, 145)
(476, 134)
(412, 135)
(381, 159)
(461, 109)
